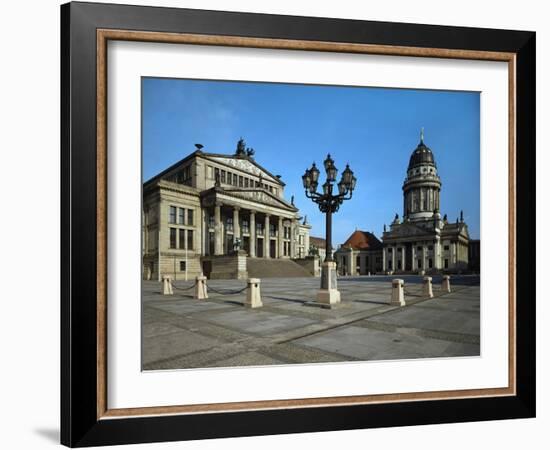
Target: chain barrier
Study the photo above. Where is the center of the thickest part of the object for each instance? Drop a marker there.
(226, 292)
(183, 289)
(211, 289)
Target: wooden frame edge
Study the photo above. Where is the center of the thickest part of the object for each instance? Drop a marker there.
(101, 223)
(103, 35)
(289, 44)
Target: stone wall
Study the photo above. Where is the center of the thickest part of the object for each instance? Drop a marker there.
(311, 264)
(228, 267)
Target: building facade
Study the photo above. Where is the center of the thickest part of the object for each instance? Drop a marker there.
(211, 204)
(423, 241)
(361, 254)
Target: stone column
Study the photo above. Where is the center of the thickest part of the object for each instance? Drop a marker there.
(218, 235)
(437, 253)
(236, 224)
(280, 236)
(393, 259)
(267, 238)
(204, 232)
(293, 239)
(413, 256)
(424, 256)
(384, 265)
(252, 237)
(453, 254)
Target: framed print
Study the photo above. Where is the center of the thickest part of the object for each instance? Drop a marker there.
(277, 224)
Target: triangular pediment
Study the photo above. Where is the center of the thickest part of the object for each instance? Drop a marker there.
(260, 196)
(408, 229)
(245, 165)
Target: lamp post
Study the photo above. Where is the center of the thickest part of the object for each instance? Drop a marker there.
(329, 203)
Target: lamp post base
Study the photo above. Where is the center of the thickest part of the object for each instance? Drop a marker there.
(328, 294)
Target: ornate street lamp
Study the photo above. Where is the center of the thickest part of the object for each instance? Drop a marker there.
(329, 202)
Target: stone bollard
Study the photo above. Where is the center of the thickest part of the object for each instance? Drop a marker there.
(167, 285)
(397, 295)
(201, 291)
(446, 283)
(428, 292)
(253, 297)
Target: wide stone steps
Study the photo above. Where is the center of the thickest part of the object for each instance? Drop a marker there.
(274, 268)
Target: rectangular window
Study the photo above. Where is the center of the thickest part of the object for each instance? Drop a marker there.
(446, 264)
(182, 266)
(399, 265)
(246, 181)
(172, 217)
(245, 227)
(430, 264)
(445, 247)
(190, 243)
(216, 173)
(190, 217)
(241, 181)
(430, 247)
(420, 264)
(181, 216)
(211, 221)
(173, 238)
(259, 229)
(272, 230)
(390, 265)
(182, 238)
(222, 176)
(209, 172)
(358, 262)
(270, 188)
(229, 224)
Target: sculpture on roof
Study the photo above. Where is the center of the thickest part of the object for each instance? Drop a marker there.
(241, 148)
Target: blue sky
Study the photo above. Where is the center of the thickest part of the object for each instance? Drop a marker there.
(291, 125)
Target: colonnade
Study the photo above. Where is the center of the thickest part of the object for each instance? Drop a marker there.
(264, 232)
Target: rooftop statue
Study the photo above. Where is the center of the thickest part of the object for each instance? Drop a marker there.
(241, 147)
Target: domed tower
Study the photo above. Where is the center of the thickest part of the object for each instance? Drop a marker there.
(422, 185)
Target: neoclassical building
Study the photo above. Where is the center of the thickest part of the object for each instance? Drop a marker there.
(361, 254)
(423, 240)
(211, 204)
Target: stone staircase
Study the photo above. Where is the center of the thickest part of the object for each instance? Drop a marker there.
(275, 268)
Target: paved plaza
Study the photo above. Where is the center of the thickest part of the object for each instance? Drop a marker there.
(180, 332)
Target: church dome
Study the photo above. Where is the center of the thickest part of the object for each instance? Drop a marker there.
(421, 155)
